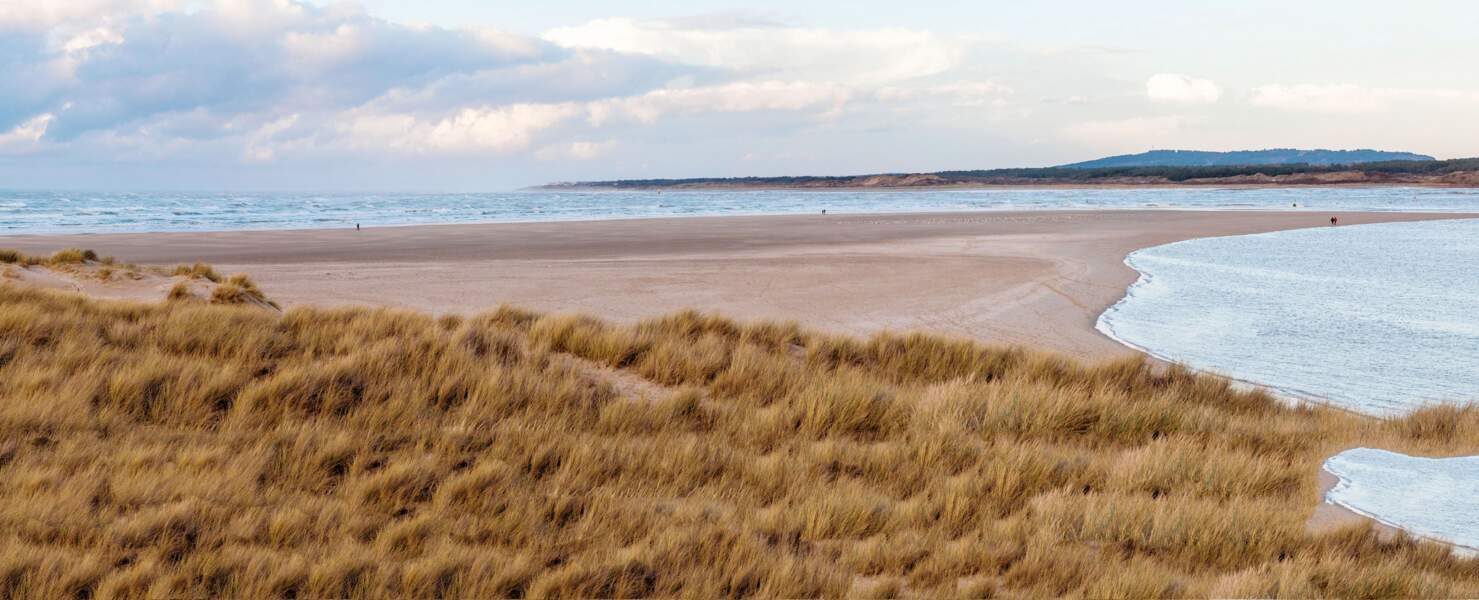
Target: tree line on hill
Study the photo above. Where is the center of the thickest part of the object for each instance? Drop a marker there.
(1056, 175)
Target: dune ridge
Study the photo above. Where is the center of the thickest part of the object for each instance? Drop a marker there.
(187, 448)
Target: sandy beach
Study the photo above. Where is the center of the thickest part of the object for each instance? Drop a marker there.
(1037, 278)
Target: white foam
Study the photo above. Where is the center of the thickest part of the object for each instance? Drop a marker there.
(1379, 319)
(1432, 497)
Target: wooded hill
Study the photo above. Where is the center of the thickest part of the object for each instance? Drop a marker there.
(1461, 172)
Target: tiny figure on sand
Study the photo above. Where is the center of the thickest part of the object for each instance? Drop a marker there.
(1334, 220)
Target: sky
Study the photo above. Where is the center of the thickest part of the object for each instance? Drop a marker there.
(457, 95)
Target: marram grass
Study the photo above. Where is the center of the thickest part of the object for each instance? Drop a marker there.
(188, 449)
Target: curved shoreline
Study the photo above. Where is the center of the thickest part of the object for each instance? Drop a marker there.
(1329, 515)
(1037, 278)
(1283, 279)
(1104, 327)
(1330, 512)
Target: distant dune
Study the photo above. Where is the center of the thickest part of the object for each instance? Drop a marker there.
(1421, 170)
(1273, 156)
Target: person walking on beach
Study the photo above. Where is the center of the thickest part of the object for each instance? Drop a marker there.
(1334, 220)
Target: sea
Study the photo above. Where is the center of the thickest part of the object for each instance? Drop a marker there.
(1378, 319)
(28, 212)
(1431, 497)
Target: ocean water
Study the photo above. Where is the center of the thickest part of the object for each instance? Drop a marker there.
(1378, 319)
(25, 212)
(1432, 497)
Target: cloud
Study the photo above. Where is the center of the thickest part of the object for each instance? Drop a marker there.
(263, 144)
(261, 80)
(237, 57)
(958, 93)
(90, 39)
(285, 83)
(503, 129)
(166, 86)
(1170, 87)
(33, 14)
(25, 135)
(728, 98)
(577, 150)
(768, 50)
(496, 129)
(579, 75)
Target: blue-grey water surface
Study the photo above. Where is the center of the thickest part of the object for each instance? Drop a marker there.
(23, 212)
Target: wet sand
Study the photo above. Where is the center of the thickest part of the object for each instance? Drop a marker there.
(1039, 278)
(1329, 516)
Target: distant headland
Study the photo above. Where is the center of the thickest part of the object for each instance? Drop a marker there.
(1275, 167)
(1272, 156)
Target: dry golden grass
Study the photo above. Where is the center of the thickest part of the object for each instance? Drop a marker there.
(66, 256)
(198, 270)
(180, 291)
(187, 449)
(237, 289)
(87, 264)
(74, 261)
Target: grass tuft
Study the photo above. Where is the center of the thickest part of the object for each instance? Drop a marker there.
(179, 291)
(198, 270)
(239, 289)
(12, 257)
(72, 256)
(1438, 423)
(60, 258)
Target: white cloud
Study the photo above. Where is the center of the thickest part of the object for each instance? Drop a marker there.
(262, 145)
(51, 13)
(318, 50)
(959, 93)
(283, 81)
(91, 38)
(727, 98)
(301, 84)
(1171, 87)
(496, 129)
(26, 135)
(874, 56)
(233, 58)
(577, 150)
(514, 127)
